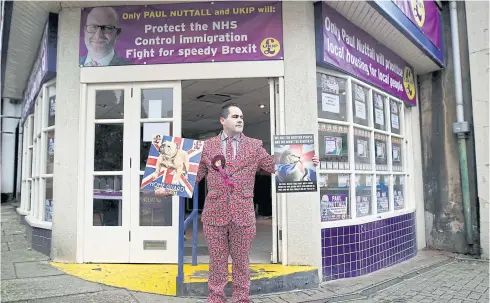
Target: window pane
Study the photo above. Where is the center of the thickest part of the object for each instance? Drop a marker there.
(362, 149)
(109, 104)
(381, 155)
(396, 147)
(50, 155)
(333, 147)
(379, 111)
(149, 133)
(382, 193)
(331, 97)
(108, 151)
(364, 184)
(334, 195)
(157, 103)
(360, 109)
(107, 207)
(48, 202)
(155, 211)
(395, 116)
(399, 192)
(51, 110)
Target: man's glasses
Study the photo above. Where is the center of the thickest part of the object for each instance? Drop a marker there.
(106, 29)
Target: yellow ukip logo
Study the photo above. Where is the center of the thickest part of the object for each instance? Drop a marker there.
(270, 47)
(418, 11)
(409, 83)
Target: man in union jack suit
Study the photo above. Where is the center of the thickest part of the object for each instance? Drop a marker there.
(229, 162)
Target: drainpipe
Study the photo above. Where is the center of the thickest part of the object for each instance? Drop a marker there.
(461, 128)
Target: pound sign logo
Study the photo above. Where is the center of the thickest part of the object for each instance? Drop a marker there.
(270, 47)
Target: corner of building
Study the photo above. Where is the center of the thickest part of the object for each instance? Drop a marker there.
(65, 212)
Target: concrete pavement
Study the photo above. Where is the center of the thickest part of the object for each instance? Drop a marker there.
(429, 277)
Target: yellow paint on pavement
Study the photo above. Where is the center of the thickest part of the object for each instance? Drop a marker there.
(160, 278)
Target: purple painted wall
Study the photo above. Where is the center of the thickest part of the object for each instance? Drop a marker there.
(351, 251)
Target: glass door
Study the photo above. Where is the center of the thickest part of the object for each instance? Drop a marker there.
(107, 196)
(156, 110)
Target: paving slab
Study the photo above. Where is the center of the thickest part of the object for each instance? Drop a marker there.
(147, 297)
(112, 296)
(46, 287)
(8, 270)
(35, 269)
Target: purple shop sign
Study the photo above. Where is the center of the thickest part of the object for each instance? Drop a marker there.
(181, 33)
(348, 48)
(425, 15)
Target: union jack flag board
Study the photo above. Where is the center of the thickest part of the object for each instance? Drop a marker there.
(183, 186)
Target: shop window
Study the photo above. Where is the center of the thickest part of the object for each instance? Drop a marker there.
(331, 96)
(109, 104)
(157, 103)
(108, 147)
(38, 157)
(334, 193)
(107, 201)
(362, 149)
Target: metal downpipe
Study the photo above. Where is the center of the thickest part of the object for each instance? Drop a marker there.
(461, 128)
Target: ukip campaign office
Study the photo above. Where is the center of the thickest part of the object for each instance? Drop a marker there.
(344, 71)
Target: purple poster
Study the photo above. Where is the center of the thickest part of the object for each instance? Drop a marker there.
(425, 15)
(181, 33)
(352, 50)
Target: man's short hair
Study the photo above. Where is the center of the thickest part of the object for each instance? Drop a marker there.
(225, 110)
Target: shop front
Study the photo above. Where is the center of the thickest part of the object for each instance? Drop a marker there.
(127, 71)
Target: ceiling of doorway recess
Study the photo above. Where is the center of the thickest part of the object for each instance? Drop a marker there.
(29, 17)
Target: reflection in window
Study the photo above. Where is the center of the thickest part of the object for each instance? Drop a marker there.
(157, 103)
(334, 195)
(155, 211)
(364, 185)
(51, 110)
(107, 201)
(108, 151)
(331, 97)
(382, 193)
(50, 152)
(360, 105)
(109, 104)
(333, 147)
(48, 201)
(362, 149)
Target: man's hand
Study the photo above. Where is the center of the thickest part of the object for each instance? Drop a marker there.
(163, 192)
(315, 160)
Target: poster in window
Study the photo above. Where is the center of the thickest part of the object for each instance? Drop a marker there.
(333, 207)
(48, 210)
(51, 110)
(51, 146)
(359, 98)
(334, 196)
(363, 195)
(382, 194)
(398, 190)
(331, 97)
(333, 146)
(379, 114)
(395, 123)
(381, 158)
(295, 171)
(396, 147)
(362, 149)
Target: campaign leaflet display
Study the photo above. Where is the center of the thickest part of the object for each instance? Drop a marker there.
(295, 171)
(190, 32)
(172, 164)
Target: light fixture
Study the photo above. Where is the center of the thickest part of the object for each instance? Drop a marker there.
(266, 113)
(200, 115)
(261, 105)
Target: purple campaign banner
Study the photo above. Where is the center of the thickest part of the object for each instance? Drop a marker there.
(352, 50)
(425, 15)
(181, 33)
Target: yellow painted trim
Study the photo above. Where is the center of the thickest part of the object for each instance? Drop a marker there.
(160, 278)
